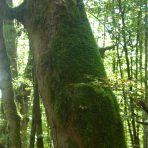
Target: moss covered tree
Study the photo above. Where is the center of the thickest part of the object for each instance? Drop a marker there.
(68, 66)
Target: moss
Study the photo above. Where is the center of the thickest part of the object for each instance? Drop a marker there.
(97, 121)
(72, 144)
(74, 50)
(73, 55)
(39, 11)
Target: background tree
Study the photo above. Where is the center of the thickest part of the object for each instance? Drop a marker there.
(124, 29)
(7, 89)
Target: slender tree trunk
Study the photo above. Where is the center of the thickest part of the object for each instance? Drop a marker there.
(125, 97)
(38, 119)
(36, 128)
(3, 126)
(10, 41)
(33, 128)
(119, 63)
(23, 100)
(7, 90)
(146, 73)
(129, 73)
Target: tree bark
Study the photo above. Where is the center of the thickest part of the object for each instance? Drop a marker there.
(81, 114)
(23, 99)
(7, 90)
(36, 127)
(11, 44)
(146, 73)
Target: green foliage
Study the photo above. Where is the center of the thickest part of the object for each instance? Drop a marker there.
(121, 23)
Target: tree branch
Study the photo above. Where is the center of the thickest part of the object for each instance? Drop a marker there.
(103, 49)
(107, 48)
(143, 105)
(142, 122)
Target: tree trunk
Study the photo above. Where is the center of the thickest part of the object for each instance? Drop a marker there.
(146, 74)
(38, 119)
(10, 42)
(36, 127)
(82, 110)
(7, 90)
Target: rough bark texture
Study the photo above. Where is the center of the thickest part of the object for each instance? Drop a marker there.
(23, 100)
(81, 114)
(3, 126)
(36, 127)
(10, 42)
(7, 90)
(146, 74)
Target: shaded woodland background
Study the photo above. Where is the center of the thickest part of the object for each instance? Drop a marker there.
(121, 31)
